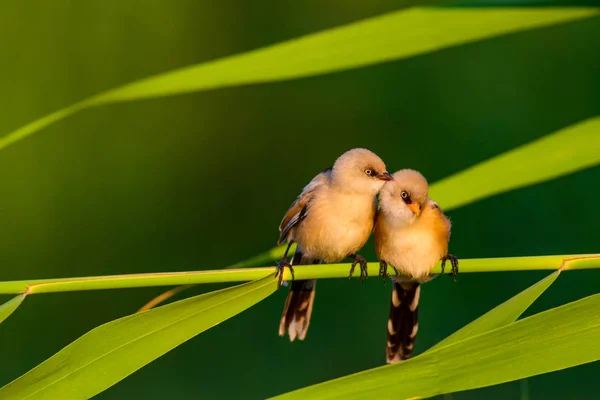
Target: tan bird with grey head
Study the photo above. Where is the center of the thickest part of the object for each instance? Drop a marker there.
(411, 235)
(330, 220)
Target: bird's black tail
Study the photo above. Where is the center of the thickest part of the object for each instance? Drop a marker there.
(402, 324)
(299, 304)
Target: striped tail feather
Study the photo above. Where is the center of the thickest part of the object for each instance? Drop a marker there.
(403, 321)
(297, 311)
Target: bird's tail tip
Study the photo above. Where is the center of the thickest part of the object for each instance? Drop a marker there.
(297, 311)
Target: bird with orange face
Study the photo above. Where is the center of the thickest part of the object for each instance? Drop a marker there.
(411, 235)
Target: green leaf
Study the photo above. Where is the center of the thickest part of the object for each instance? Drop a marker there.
(391, 36)
(556, 339)
(10, 306)
(503, 314)
(321, 271)
(111, 352)
(564, 152)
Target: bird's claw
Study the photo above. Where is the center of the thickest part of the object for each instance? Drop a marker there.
(383, 267)
(453, 262)
(280, 269)
(363, 267)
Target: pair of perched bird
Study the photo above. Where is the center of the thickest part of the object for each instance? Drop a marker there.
(334, 217)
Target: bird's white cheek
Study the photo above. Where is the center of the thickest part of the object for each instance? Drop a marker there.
(402, 213)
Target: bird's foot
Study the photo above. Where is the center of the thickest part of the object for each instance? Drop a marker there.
(454, 262)
(280, 269)
(383, 267)
(363, 267)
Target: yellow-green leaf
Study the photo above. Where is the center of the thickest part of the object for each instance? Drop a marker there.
(10, 306)
(569, 150)
(392, 36)
(503, 314)
(111, 352)
(556, 339)
(321, 271)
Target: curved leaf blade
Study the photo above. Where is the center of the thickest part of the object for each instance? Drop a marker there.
(321, 271)
(566, 151)
(556, 339)
(504, 314)
(111, 352)
(393, 36)
(10, 306)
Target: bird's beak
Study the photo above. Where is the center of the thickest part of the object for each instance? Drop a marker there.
(415, 208)
(385, 176)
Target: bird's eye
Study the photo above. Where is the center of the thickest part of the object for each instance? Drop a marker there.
(369, 172)
(404, 195)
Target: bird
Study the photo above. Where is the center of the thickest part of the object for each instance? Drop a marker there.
(411, 234)
(330, 220)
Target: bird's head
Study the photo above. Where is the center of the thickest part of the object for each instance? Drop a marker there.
(405, 195)
(360, 170)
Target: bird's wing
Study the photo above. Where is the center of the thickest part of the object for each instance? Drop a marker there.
(299, 207)
(441, 224)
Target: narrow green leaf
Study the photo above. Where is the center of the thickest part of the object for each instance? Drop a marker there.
(321, 271)
(41, 123)
(10, 306)
(503, 314)
(392, 36)
(556, 339)
(111, 352)
(569, 150)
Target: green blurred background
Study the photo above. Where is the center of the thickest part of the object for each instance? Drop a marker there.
(201, 181)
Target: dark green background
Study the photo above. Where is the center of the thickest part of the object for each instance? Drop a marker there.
(201, 181)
